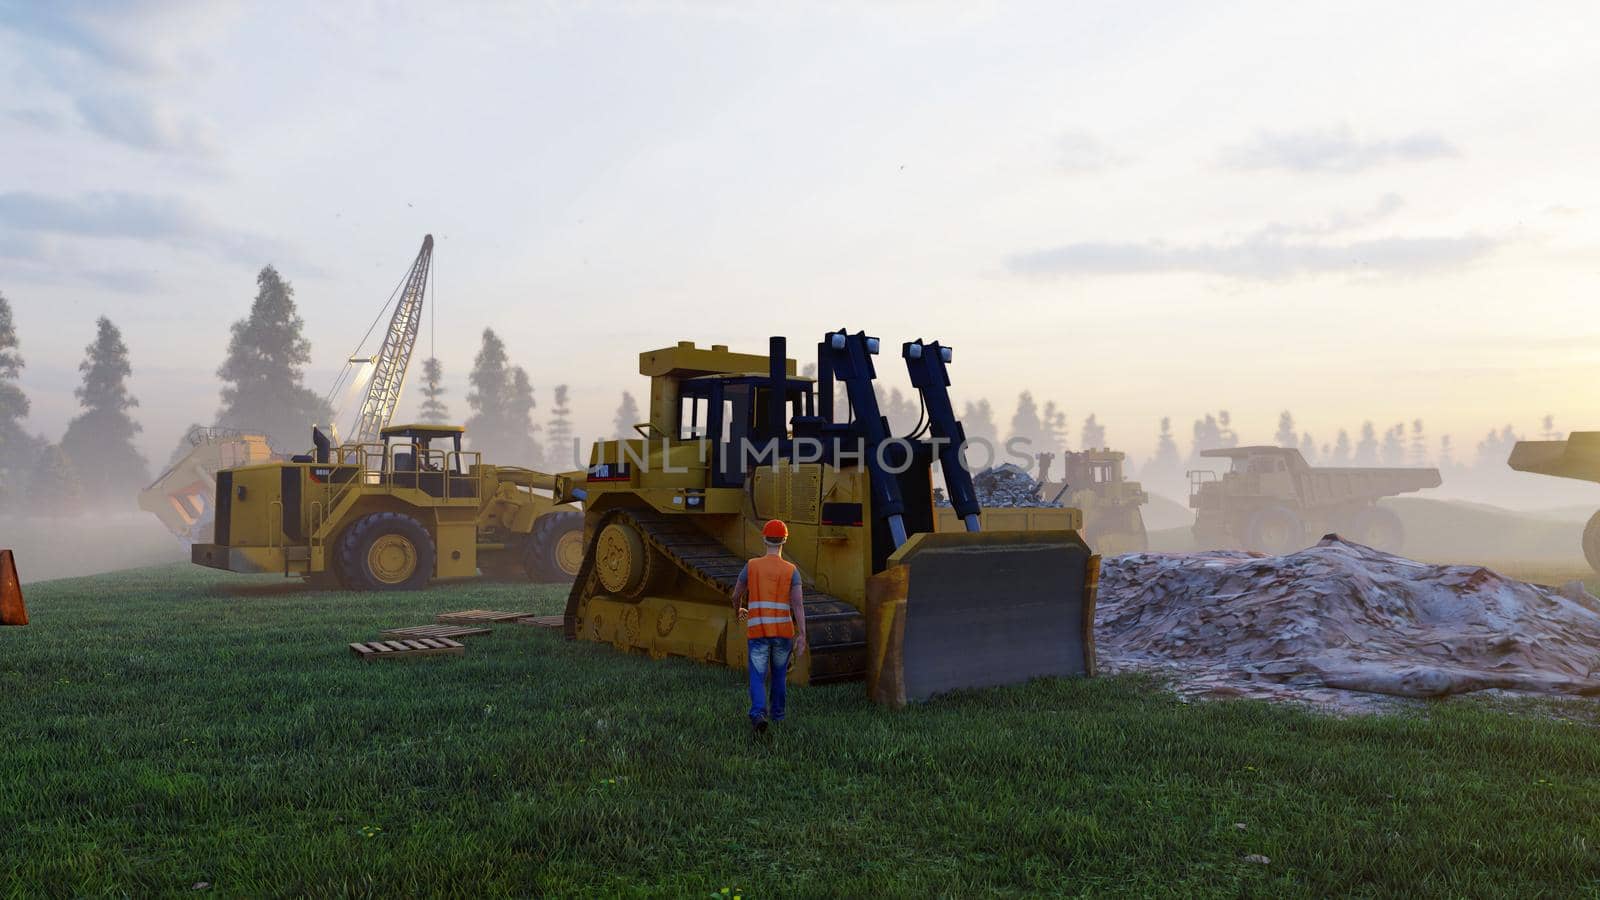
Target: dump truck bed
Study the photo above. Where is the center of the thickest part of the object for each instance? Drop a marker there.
(1318, 486)
(1576, 457)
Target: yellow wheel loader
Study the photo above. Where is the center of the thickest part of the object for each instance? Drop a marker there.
(394, 516)
(735, 439)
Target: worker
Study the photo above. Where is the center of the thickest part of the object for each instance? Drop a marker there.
(774, 623)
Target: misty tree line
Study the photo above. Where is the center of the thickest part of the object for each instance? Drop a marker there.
(95, 463)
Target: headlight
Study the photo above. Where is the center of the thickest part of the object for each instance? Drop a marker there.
(872, 346)
(944, 353)
(914, 350)
(836, 340)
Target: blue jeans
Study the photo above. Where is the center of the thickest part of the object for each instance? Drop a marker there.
(768, 656)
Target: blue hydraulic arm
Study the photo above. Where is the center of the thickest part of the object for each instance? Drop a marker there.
(926, 363)
(848, 357)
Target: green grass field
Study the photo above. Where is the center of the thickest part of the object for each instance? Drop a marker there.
(171, 726)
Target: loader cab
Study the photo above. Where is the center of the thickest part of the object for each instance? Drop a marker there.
(428, 458)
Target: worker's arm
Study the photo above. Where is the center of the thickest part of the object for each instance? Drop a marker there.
(797, 606)
(741, 590)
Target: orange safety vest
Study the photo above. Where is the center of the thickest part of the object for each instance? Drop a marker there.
(768, 578)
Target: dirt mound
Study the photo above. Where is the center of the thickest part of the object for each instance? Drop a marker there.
(1339, 618)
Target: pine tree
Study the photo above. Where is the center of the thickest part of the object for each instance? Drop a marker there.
(100, 441)
(901, 413)
(977, 419)
(1549, 425)
(1394, 446)
(1166, 458)
(1094, 434)
(491, 427)
(1446, 453)
(1025, 425)
(263, 373)
(627, 417)
(522, 436)
(1285, 436)
(558, 437)
(1367, 449)
(1308, 447)
(53, 487)
(1225, 429)
(433, 411)
(1054, 421)
(17, 449)
(1340, 455)
(1419, 444)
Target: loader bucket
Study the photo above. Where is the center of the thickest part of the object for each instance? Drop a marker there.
(969, 610)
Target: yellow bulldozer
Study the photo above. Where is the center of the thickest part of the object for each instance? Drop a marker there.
(394, 515)
(734, 439)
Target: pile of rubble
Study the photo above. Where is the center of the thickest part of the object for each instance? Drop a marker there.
(1004, 485)
(1340, 624)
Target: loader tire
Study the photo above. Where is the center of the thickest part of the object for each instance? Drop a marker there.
(555, 548)
(1380, 529)
(1591, 542)
(1275, 530)
(386, 552)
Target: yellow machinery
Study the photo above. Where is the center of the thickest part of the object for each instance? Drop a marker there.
(393, 516)
(183, 497)
(734, 439)
(1093, 482)
(1578, 458)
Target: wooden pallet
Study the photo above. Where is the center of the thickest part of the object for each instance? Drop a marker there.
(541, 621)
(477, 617)
(436, 631)
(421, 647)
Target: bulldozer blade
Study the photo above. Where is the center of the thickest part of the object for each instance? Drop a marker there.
(971, 610)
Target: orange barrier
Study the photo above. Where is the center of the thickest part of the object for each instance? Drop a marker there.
(12, 609)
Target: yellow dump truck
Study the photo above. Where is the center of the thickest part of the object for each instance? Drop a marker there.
(395, 515)
(184, 496)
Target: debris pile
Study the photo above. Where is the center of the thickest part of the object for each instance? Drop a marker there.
(1004, 485)
(1339, 623)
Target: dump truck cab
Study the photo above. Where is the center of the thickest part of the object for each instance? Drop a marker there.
(734, 439)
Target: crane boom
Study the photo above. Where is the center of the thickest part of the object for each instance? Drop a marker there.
(389, 368)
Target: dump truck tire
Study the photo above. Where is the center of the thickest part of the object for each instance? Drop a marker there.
(386, 552)
(1380, 529)
(1591, 542)
(1275, 530)
(555, 548)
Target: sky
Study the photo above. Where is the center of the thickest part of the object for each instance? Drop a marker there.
(1353, 211)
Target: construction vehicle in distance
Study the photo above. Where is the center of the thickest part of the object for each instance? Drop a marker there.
(184, 496)
(1578, 458)
(1093, 482)
(734, 439)
(1271, 500)
(394, 516)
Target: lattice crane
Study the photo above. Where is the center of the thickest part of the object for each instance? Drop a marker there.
(389, 366)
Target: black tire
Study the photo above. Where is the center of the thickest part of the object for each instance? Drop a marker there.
(355, 556)
(1591, 542)
(1275, 530)
(1379, 529)
(542, 561)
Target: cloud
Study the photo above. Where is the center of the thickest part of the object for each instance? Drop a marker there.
(1080, 151)
(1276, 251)
(132, 120)
(130, 216)
(1336, 150)
(1259, 256)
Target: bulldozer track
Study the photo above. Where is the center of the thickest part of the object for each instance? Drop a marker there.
(836, 633)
